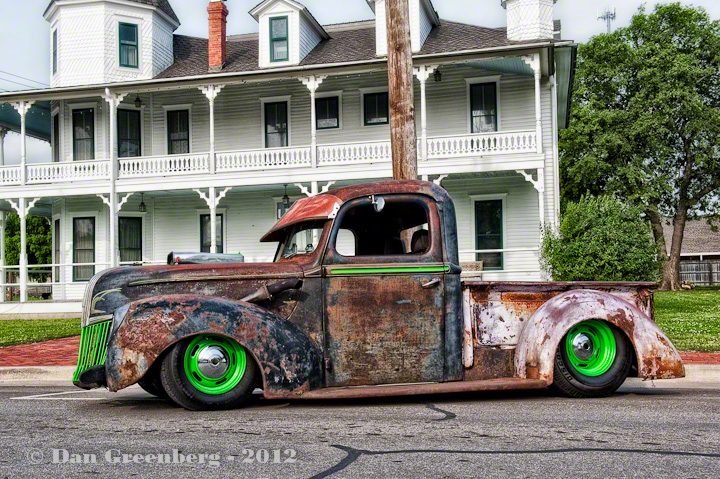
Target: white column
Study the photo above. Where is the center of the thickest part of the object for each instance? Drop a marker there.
(312, 83)
(212, 199)
(113, 100)
(539, 186)
(211, 92)
(534, 62)
(22, 207)
(3, 272)
(213, 223)
(23, 250)
(3, 132)
(22, 108)
(422, 73)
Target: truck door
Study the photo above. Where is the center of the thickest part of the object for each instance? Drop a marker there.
(384, 293)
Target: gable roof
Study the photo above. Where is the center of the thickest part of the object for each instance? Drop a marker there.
(347, 42)
(162, 5)
(699, 237)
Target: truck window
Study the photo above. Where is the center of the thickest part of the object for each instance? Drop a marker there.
(401, 228)
(302, 239)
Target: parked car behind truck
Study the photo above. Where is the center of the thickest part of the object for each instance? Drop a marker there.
(364, 298)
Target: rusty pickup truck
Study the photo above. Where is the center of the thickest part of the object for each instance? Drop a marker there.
(364, 298)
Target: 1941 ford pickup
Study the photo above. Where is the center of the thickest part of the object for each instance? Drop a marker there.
(364, 298)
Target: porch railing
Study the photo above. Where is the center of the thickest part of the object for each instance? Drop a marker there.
(142, 166)
(482, 143)
(262, 158)
(438, 148)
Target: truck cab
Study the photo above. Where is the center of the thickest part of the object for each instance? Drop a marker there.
(364, 298)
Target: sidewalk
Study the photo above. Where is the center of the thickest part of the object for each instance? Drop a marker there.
(64, 352)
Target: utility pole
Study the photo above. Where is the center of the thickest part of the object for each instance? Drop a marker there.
(403, 139)
(608, 15)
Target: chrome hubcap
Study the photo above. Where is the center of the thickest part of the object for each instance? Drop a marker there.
(583, 346)
(212, 362)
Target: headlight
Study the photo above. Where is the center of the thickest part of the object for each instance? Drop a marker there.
(88, 315)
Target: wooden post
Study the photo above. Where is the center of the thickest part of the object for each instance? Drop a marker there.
(403, 139)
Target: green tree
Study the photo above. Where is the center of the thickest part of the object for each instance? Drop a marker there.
(39, 240)
(645, 122)
(600, 239)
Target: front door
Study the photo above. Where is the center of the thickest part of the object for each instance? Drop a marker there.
(384, 294)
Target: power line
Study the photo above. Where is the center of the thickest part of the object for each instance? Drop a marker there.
(23, 78)
(22, 84)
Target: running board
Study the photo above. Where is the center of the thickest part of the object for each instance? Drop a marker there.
(351, 392)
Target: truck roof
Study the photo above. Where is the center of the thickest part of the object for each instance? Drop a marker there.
(326, 205)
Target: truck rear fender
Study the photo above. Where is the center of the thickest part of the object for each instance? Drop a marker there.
(289, 360)
(656, 357)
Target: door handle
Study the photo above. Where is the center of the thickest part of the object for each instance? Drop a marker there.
(431, 284)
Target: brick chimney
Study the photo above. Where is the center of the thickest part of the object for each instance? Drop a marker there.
(217, 35)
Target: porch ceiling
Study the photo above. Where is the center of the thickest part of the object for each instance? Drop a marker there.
(37, 119)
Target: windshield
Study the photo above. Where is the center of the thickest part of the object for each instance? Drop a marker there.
(302, 239)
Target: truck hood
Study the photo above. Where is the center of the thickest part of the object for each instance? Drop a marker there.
(113, 288)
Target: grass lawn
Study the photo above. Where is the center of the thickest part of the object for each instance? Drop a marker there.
(21, 331)
(691, 319)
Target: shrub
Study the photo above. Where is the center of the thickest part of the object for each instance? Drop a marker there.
(600, 239)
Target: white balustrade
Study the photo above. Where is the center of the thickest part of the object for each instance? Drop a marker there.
(68, 171)
(263, 158)
(10, 175)
(360, 152)
(143, 166)
(482, 143)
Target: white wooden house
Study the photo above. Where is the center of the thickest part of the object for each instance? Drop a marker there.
(155, 133)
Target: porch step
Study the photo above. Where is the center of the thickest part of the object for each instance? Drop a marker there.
(424, 388)
(41, 310)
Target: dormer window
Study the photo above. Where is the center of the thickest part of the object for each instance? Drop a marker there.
(279, 51)
(128, 45)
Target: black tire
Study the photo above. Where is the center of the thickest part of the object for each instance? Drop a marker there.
(569, 382)
(152, 384)
(183, 393)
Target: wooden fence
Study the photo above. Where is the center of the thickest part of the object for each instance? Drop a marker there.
(701, 273)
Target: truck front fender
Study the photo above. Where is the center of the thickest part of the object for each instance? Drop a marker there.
(656, 357)
(289, 360)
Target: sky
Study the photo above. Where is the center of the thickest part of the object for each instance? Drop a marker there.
(25, 34)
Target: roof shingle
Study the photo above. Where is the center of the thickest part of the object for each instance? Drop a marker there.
(347, 43)
(698, 238)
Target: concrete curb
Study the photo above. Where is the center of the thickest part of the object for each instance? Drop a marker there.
(697, 375)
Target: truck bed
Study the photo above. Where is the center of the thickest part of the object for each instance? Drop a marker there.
(494, 313)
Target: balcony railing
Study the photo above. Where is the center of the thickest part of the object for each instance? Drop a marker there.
(263, 158)
(438, 148)
(143, 166)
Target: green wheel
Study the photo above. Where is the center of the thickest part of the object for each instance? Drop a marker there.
(209, 372)
(590, 347)
(214, 364)
(592, 360)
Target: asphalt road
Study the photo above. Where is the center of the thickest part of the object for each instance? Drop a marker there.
(642, 431)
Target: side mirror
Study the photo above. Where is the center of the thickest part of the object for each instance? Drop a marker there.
(378, 203)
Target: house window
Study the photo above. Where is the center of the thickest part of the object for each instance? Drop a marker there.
(489, 232)
(375, 107)
(327, 112)
(483, 107)
(279, 50)
(56, 247)
(54, 52)
(56, 137)
(128, 45)
(205, 232)
(128, 133)
(83, 134)
(276, 124)
(83, 248)
(130, 232)
(178, 126)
